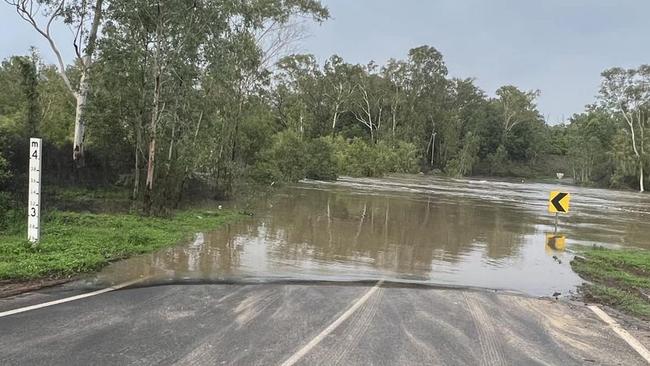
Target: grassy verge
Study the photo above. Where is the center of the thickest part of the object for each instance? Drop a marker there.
(74, 243)
(619, 278)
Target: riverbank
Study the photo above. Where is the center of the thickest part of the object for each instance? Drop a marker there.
(75, 243)
(617, 278)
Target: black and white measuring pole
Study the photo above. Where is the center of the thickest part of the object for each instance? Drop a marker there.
(34, 204)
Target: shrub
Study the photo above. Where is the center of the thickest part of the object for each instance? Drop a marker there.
(321, 161)
(358, 159)
(499, 161)
(5, 174)
(290, 158)
(361, 159)
(5, 197)
(288, 153)
(265, 172)
(402, 157)
(467, 158)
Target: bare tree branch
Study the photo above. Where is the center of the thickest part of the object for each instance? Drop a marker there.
(25, 9)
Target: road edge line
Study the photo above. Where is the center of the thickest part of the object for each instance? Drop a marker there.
(627, 337)
(306, 348)
(71, 298)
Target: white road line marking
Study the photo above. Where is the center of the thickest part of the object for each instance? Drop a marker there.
(304, 350)
(72, 298)
(627, 337)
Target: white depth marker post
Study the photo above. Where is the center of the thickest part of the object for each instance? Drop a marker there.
(34, 207)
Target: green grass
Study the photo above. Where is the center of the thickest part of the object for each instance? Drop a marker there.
(77, 194)
(74, 243)
(618, 278)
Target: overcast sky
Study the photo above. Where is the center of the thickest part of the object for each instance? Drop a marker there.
(557, 46)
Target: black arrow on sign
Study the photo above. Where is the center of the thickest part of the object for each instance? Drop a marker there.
(556, 201)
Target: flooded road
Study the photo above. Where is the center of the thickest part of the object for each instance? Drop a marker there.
(418, 229)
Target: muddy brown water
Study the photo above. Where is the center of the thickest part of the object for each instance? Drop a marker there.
(419, 229)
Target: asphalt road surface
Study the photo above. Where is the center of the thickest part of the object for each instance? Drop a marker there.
(305, 324)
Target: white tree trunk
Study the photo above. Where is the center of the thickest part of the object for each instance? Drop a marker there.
(641, 187)
(335, 118)
(79, 125)
(630, 122)
(433, 147)
(84, 89)
(136, 171)
(152, 131)
(28, 11)
(394, 118)
(302, 128)
(155, 115)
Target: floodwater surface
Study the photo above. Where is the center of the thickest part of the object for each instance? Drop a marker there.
(416, 229)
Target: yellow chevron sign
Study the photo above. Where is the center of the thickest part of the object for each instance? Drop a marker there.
(558, 202)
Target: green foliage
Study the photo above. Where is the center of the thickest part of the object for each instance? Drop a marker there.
(468, 157)
(265, 172)
(19, 109)
(5, 198)
(558, 140)
(192, 88)
(73, 243)
(627, 301)
(58, 108)
(499, 161)
(321, 161)
(29, 84)
(290, 158)
(5, 174)
(398, 157)
(189, 81)
(7, 215)
(625, 95)
(359, 158)
(288, 153)
(589, 136)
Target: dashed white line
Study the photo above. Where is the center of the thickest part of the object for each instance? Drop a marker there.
(72, 298)
(306, 348)
(627, 337)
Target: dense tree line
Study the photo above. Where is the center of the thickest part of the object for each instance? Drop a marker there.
(173, 94)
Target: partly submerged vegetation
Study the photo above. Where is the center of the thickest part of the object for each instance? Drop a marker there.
(105, 227)
(205, 97)
(617, 278)
(169, 98)
(74, 243)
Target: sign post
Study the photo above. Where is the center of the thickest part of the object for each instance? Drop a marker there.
(34, 199)
(558, 202)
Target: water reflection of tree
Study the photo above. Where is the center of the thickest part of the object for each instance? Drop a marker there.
(405, 233)
(218, 254)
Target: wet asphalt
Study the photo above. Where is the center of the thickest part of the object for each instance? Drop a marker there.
(268, 324)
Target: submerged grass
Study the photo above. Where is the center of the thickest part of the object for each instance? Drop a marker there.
(74, 243)
(618, 278)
